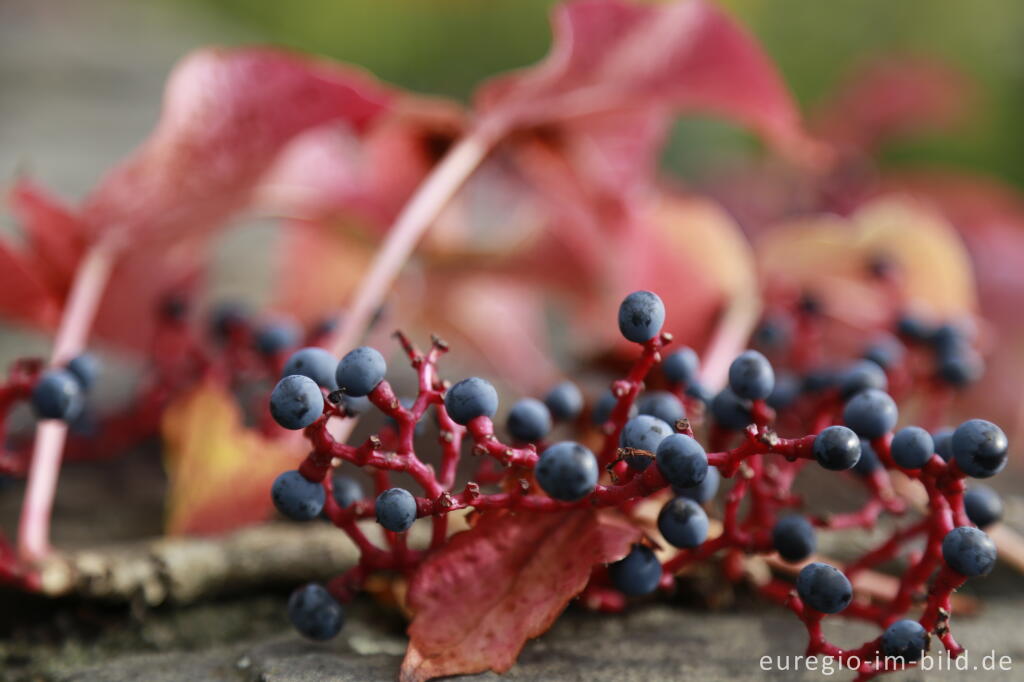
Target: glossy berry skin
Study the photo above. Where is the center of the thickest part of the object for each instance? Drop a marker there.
(944, 443)
(983, 506)
(57, 395)
(905, 639)
(751, 376)
(564, 401)
(682, 461)
(979, 448)
(360, 371)
(641, 316)
(529, 420)
(969, 551)
(662, 405)
(704, 491)
(837, 448)
(277, 336)
(471, 398)
(637, 574)
(681, 366)
(296, 402)
(603, 409)
(315, 613)
(567, 471)
(396, 509)
(793, 537)
(730, 411)
(824, 588)
(296, 497)
(643, 432)
(316, 363)
(346, 491)
(683, 523)
(85, 367)
(912, 447)
(871, 414)
(861, 376)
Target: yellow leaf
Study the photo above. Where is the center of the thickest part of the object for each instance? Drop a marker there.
(219, 473)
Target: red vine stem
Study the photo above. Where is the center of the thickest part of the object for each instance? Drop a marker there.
(79, 313)
(418, 214)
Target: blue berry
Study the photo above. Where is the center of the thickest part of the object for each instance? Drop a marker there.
(682, 461)
(360, 371)
(868, 463)
(751, 376)
(683, 523)
(471, 398)
(871, 414)
(354, 406)
(960, 366)
(603, 409)
(914, 328)
(643, 432)
(681, 366)
(85, 367)
(638, 573)
(824, 588)
(57, 395)
(315, 613)
(773, 333)
(837, 448)
(297, 497)
(979, 448)
(983, 506)
(968, 551)
(662, 405)
(346, 491)
(564, 401)
(704, 491)
(785, 393)
(906, 640)
(641, 316)
(277, 336)
(793, 537)
(316, 363)
(820, 379)
(228, 318)
(529, 420)
(860, 376)
(885, 351)
(700, 392)
(396, 509)
(567, 471)
(730, 411)
(946, 337)
(912, 447)
(296, 402)
(944, 443)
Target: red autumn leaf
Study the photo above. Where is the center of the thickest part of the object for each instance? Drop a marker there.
(633, 62)
(227, 115)
(480, 597)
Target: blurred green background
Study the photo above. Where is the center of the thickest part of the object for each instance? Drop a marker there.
(447, 46)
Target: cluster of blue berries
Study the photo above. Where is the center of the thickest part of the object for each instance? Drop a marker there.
(60, 392)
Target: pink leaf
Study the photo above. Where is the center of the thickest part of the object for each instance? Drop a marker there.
(617, 58)
(479, 598)
(227, 114)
